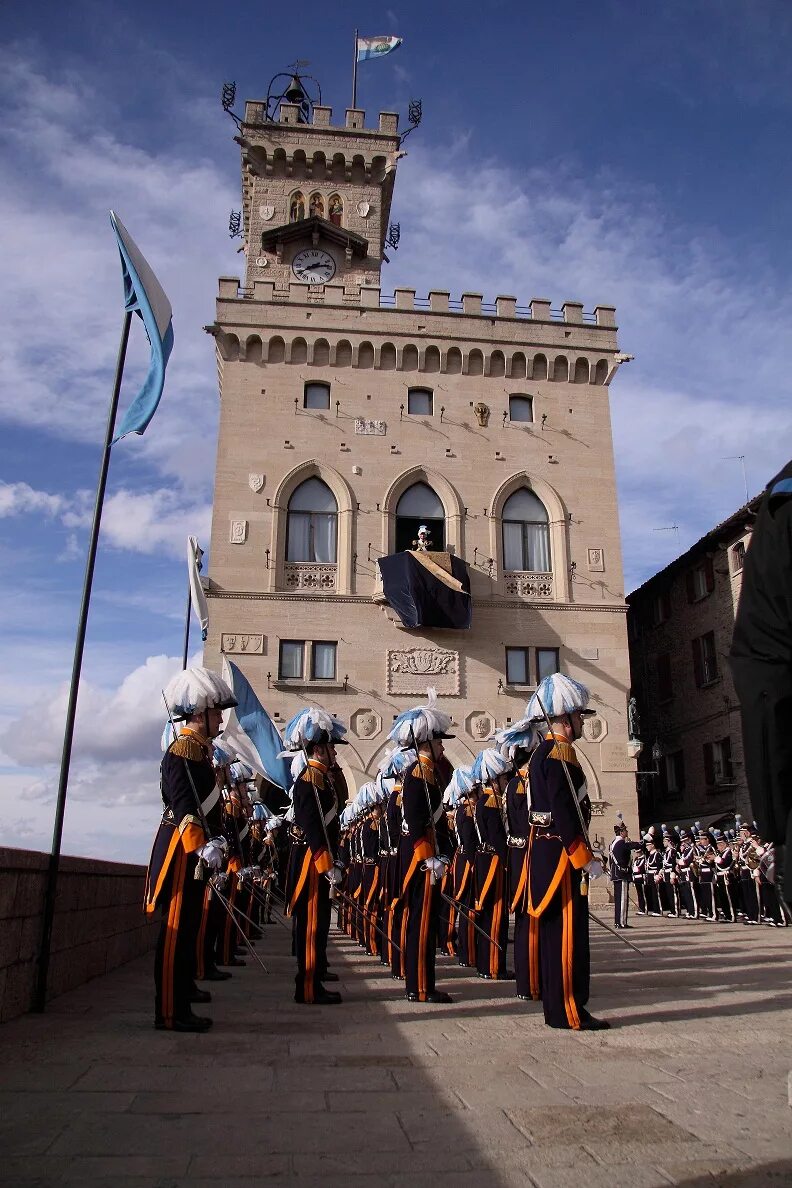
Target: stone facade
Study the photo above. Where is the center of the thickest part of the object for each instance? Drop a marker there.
(684, 689)
(276, 335)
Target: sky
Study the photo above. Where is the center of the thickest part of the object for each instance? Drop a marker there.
(610, 153)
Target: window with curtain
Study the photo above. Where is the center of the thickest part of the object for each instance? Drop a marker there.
(323, 661)
(517, 671)
(290, 661)
(312, 523)
(547, 662)
(526, 533)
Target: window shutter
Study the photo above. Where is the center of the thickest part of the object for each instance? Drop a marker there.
(709, 573)
(709, 765)
(691, 592)
(727, 759)
(698, 671)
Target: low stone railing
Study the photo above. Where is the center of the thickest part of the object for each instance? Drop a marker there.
(99, 923)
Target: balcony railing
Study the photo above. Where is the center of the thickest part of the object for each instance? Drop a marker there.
(528, 585)
(307, 575)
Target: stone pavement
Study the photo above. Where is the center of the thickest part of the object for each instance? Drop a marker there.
(689, 1088)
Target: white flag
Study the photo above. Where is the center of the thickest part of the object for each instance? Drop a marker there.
(197, 596)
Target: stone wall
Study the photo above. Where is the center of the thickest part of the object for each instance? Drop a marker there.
(99, 923)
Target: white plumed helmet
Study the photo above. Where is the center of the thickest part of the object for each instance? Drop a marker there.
(559, 695)
(490, 763)
(195, 690)
(422, 723)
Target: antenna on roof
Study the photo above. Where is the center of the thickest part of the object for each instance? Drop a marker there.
(741, 459)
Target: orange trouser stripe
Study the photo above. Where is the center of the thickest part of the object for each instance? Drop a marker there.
(423, 937)
(199, 952)
(310, 936)
(533, 955)
(567, 950)
(497, 913)
(174, 915)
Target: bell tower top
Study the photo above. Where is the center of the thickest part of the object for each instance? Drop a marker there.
(316, 196)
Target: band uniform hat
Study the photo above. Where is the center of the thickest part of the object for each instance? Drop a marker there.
(421, 723)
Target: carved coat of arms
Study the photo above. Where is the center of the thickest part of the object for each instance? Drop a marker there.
(266, 212)
(256, 482)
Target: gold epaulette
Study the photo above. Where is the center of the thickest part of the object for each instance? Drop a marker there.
(424, 767)
(492, 801)
(313, 775)
(565, 751)
(188, 747)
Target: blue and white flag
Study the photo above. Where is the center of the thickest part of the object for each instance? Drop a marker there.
(376, 47)
(250, 732)
(197, 596)
(144, 295)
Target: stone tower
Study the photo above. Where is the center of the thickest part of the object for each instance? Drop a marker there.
(350, 417)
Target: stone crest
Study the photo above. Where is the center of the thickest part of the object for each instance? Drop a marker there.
(238, 533)
(266, 211)
(596, 560)
(479, 725)
(256, 482)
(594, 728)
(411, 670)
(366, 723)
(250, 644)
(363, 209)
(482, 414)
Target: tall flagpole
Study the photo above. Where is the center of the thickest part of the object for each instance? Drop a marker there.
(354, 71)
(40, 997)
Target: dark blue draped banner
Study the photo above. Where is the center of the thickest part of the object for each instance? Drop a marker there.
(422, 600)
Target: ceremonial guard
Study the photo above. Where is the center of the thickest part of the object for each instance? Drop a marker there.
(213, 914)
(464, 793)
(518, 741)
(185, 846)
(492, 770)
(312, 862)
(396, 923)
(559, 853)
(620, 870)
(424, 849)
(705, 854)
(723, 863)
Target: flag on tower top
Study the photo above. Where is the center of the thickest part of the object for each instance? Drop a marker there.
(376, 47)
(144, 295)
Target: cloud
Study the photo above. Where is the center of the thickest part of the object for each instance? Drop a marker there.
(146, 522)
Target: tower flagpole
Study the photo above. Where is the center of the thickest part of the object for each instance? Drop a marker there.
(354, 71)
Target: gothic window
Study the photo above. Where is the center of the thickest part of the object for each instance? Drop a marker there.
(297, 207)
(312, 523)
(526, 533)
(317, 206)
(335, 209)
(419, 505)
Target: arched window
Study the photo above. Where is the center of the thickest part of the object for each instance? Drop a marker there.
(419, 505)
(335, 209)
(526, 533)
(312, 523)
(316, 396)
(316, 206)
(297, 206)
(521, 408)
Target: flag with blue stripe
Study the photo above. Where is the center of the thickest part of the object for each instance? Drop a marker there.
(250, 732)
(144, 295)
(376, 47)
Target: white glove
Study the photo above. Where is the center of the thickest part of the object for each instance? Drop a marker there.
(213, 854)
(594, 869)
(435, 868)
(335, 875)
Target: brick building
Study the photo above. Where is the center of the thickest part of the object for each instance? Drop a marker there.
(680, 625)
(350, 417)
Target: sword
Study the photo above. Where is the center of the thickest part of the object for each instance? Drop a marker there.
(463, 911)
(230, 909)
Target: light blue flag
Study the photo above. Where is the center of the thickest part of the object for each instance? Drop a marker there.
(144, 295)
(250, 732)
(376, 47)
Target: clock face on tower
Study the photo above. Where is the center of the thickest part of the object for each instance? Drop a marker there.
(313, 266)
